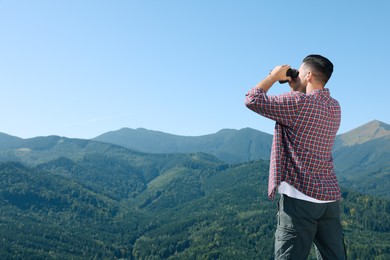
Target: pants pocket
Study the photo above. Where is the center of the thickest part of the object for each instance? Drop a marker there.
(285, 238)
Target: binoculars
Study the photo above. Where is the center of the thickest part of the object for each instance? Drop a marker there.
(292, 73)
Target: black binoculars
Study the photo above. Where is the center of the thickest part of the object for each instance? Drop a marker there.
(292, 73)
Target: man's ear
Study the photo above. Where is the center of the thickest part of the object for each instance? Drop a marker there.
(309, 77)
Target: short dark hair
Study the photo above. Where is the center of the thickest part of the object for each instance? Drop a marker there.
(322, 67)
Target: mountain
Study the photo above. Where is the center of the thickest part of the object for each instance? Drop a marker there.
(362, 158)
(233, 146)
(360, 154)
(228, 144)
(365, 133)
(7, 141)
(36, 150)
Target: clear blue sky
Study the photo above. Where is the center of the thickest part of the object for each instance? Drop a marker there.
(82, 68)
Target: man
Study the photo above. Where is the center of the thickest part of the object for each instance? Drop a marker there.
(301, 168)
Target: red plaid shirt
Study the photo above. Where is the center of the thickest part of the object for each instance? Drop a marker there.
(305, 130)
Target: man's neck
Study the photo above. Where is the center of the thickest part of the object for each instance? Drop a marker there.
(312, 87)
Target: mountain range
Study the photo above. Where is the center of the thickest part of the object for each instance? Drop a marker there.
(192, 198)
(360, 154)
(228, 144)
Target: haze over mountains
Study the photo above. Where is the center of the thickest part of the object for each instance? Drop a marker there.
(173, 197)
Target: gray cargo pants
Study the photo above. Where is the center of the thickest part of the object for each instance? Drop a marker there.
(300, 223)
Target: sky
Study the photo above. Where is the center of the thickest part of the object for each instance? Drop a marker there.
(83, 68)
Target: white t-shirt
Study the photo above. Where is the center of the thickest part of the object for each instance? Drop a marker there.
(289, 190)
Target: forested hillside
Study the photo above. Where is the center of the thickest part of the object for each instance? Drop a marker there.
(63, 198)
(121, 204)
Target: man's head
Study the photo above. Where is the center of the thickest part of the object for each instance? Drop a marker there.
(321, 68)
(314, 73)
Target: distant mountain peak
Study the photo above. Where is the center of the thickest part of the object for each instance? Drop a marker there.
(367, 132)
(230, 145)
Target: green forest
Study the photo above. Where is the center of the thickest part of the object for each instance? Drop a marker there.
(120, 204)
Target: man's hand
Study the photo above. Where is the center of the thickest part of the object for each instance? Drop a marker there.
(277, 74)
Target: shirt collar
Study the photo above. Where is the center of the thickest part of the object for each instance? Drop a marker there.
(320, 91)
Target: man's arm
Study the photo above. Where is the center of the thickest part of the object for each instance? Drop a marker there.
(278, 73)
(281, 108)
